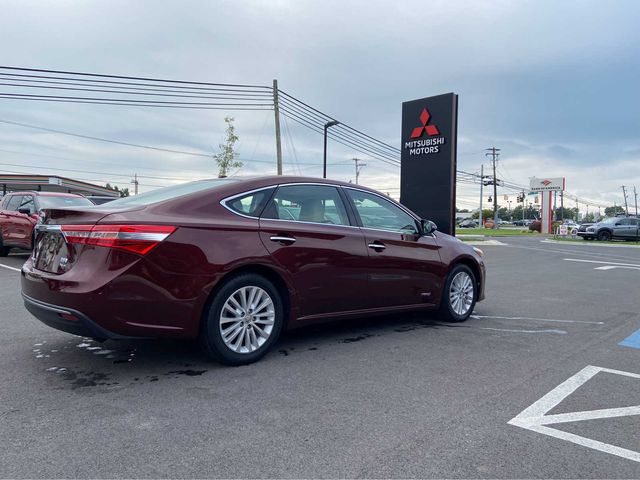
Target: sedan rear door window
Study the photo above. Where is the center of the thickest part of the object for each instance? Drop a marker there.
(308, 203)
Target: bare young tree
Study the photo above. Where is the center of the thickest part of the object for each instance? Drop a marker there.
(226, 159)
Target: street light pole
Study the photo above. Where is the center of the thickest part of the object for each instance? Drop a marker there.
(324, 162)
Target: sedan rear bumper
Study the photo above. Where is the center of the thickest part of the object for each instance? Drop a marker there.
(67, 320)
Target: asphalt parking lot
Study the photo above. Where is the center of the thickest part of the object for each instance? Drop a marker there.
(541, 382)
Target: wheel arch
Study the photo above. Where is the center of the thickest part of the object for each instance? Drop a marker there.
(473, 265)
(269, 273)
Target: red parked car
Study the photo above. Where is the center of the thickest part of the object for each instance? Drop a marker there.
(19, 214)
(235, 261)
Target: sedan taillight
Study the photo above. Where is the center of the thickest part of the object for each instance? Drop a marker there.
(138, 239)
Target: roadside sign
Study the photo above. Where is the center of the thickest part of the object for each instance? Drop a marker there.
(563, 230)
(546, 184)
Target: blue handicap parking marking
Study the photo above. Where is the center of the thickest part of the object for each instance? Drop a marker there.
(632, 340)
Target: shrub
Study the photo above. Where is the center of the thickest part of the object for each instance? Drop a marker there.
(536, 226)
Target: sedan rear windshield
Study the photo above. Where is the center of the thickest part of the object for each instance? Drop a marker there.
(52, 201)
(167, 193)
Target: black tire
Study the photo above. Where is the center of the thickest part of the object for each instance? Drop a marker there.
(211, 336)
(4, 251)
(604, 236)
(447, 312)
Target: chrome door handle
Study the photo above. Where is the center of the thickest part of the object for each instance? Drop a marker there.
(377, 246)
(282, 239)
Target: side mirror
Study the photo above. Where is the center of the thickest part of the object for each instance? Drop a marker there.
(24, 211)
(428, 226)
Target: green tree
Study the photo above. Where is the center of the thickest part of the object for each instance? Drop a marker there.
(486, 213)
(226, 159)
(612, 212)
(123, 193)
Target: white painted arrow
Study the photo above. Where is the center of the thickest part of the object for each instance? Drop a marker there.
(535, 417)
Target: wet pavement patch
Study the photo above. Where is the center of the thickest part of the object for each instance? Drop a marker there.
(188, 373)
(356, 339)
(82, 379)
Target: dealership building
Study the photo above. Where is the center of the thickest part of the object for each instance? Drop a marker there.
(45, 183)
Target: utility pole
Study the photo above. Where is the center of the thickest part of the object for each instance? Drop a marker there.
(624, 193)
(358, 168)
(276, 110)
(635, 194)
(494, 155)
(577, 210)
(523, 205)
(135, 183)
(481, 185)
(562, 205)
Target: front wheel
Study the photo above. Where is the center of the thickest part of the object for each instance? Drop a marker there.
(459, 295)
(604, 236)
(243, 321)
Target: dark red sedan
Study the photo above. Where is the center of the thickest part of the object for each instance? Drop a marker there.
(235, 261)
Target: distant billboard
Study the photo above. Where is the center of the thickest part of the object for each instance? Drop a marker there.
(546, 184)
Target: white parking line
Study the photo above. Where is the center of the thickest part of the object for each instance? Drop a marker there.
(10, 268)
(601, 262)
(535, 416)
(611, 267)
(553, 320)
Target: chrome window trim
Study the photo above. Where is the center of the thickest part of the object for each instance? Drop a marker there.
(276, 186)
(402, 207)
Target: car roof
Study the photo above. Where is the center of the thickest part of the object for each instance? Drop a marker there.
(265, 181)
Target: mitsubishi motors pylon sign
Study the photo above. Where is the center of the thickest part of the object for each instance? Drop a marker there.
(428, 168)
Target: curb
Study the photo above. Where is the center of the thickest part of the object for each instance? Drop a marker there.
(589, 244)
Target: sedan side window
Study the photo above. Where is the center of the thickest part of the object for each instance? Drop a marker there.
(381, 214)
(308, 203)
(250, 204)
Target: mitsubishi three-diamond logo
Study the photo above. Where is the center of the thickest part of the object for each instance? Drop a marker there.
(430, 129)
(421, 144)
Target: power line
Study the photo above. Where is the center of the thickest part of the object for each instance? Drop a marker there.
(117, 142)
(146, 79)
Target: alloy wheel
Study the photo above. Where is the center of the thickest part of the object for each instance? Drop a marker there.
(247, 319)
(461, 293)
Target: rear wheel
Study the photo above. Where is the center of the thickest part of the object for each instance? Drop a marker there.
(459, 295)
(243, 321)
(604, 236)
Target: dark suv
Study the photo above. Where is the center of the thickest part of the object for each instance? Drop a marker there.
(19, 214)
(622, 228)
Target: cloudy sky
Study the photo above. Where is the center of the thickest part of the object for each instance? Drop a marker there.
(554, 84)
